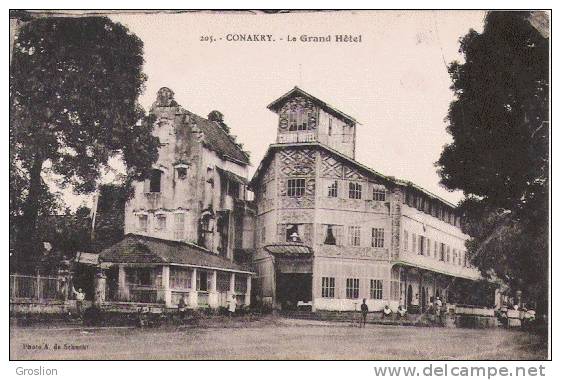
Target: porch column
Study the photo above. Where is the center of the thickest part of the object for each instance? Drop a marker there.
(421, 291)
(232, 284)
(193, 295)
(405, 303)
(247, 300)
(165, 286)
(123, 289)
(99, 286)
(212, 294)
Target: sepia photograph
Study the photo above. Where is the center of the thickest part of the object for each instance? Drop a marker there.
(280, 185)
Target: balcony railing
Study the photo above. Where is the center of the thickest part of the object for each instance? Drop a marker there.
(154, 200)
(202, 299)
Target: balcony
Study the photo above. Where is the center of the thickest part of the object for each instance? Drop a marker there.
(154, 200)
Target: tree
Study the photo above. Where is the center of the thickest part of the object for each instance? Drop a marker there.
(74, 87)
(499, 122)
(110, 219)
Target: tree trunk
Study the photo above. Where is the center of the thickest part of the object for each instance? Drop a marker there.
(27, 235)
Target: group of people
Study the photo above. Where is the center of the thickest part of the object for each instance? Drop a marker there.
(387, 312)
(232, 305)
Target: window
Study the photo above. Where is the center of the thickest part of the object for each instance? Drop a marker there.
(302, 118)
(454, 256)
(355, 190)
(292, 121)
(179, 226)
(298, 120)
(240, 284)
(330, 235)
(376, 292)
(421, 245)
(330, 130)
(263, 236)
(442, 252)
(379, 194)
(203, 280)
(328, 287)
(414, 243)
(448, 253)
(155, 181)
(143, 223)
(378, 237)
(405, 240)
(140, 276)
(296, 187)
(293, 233)
(234, 189)
(180, 278)
(181, 171)
(347, 132)
(354, 236)
(428, 247)
(352, 288)
(435, 251)
(223, 281)
(160, 222)
(332, 190)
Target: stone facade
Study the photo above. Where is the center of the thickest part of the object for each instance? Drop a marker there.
(195, 194)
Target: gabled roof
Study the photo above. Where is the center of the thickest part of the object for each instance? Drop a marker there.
(277, 104)
(398, 182)
(215, 137)
(218, 140)
(150, 250)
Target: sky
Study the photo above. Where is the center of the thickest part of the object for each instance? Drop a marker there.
(394, 82)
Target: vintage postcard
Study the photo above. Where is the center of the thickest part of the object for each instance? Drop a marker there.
(279, 185)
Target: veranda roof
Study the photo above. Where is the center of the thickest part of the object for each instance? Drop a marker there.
(149, 250)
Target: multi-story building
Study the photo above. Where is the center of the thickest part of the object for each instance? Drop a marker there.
(331, 231)
(188, 225)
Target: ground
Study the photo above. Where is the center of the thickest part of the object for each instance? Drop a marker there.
(273, 338)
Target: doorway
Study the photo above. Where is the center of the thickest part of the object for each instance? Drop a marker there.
(409, 295)
(293, 287)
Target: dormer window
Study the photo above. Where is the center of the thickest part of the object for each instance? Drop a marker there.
(298, 120)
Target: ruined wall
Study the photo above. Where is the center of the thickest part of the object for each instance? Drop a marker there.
(181, 145)
(190, 186)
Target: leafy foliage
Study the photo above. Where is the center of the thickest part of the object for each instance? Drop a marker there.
(499, 121)
(74, 85)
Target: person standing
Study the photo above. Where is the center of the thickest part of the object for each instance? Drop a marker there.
(364, 312)
(439, 309)
(80, 296)
(232, 305)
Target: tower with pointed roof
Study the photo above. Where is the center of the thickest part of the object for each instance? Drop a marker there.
(305, 118)
(332, 231)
